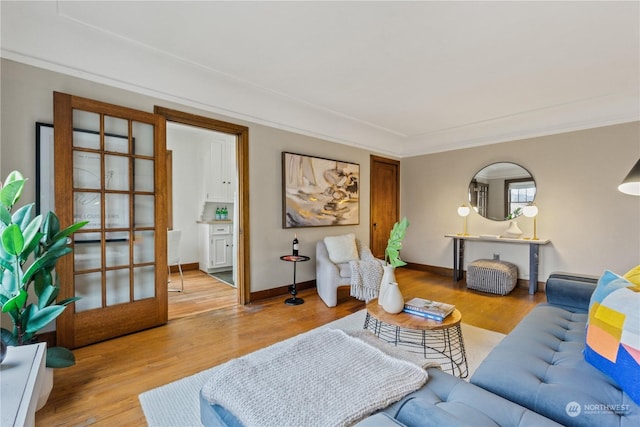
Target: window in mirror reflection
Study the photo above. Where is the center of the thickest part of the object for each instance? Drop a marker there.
(519, 193)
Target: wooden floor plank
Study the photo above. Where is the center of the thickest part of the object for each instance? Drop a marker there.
(103, 387)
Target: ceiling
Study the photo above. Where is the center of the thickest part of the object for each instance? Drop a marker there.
(401, 78)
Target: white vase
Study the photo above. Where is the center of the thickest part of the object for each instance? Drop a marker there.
(393, 300)
(514, 230)
(388, 276)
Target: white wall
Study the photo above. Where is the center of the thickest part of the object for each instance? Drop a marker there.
(591, 225)
(187, 200)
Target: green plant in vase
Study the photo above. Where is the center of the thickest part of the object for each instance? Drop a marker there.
(392, 260)
(394, 244)
(30, 247)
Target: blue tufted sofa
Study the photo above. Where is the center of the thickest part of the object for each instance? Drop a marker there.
(536, 376)
(540, 364)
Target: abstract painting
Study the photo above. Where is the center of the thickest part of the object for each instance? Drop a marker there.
(319, 192)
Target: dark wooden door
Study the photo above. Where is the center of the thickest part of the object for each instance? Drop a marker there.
(385, 202)
(110, 170)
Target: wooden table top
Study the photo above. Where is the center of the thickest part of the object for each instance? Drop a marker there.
(412, 321)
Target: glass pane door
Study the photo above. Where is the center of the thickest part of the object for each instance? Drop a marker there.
(114, 186)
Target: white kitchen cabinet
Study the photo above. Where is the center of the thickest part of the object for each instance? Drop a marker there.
(220, 172)
(216, 247)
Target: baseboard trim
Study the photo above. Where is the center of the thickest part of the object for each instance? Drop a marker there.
(279, 291)
(185, 267)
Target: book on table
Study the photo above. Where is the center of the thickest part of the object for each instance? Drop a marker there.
(437, 310)
(423, 314)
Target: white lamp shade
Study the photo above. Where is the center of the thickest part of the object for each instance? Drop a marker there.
(530, 211)
(463, 210)
(631, 183)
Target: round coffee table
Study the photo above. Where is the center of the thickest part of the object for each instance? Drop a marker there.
(438, 341)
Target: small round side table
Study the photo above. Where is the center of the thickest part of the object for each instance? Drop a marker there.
(295, 259)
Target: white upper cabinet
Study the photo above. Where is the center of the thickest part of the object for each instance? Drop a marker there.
(220, 172)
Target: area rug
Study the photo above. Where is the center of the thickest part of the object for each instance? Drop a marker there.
(177, 403)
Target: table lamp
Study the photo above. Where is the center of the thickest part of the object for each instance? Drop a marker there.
(463, 211)
(531, 211)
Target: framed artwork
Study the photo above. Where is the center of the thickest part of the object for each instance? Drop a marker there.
(319, 192)
(44, 168)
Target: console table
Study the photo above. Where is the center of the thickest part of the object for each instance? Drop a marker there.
(534, 245)
(21, 377)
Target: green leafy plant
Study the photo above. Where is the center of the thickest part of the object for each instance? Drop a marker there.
(394, 244)
(30, 247)
(516, 213)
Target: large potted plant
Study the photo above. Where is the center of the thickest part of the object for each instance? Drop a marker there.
(30, 247)
(392, 256)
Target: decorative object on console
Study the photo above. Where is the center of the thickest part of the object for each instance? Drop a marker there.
(631, 183)
(513, 230)
(612, 343)
(393, 301)
(464, 211)
(531, 211)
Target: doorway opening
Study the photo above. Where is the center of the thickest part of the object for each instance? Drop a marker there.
(209, 203)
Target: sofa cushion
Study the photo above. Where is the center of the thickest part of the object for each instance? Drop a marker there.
(540, 365)
(613, 332)
(449, 401)
(342, 248)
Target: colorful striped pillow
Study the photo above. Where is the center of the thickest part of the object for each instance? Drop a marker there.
(613, 332)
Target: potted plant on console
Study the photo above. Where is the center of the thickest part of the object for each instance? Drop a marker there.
(30, 247)
(392, 257)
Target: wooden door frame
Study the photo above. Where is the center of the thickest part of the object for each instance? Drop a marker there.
(242, 162)
(373, 159)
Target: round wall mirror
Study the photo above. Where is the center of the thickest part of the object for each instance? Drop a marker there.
(501, 190)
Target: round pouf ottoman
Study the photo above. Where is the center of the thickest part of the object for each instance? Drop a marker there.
(493, 276)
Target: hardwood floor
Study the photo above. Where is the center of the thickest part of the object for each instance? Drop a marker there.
(201, 293)
(103, 387)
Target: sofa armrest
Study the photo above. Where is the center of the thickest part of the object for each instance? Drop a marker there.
(570, 291)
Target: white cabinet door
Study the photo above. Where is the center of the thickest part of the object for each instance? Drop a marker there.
(221, 248)
(216, 248)
(220, 181)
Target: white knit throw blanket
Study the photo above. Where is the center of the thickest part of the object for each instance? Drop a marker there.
(324, 378)
(366, 275)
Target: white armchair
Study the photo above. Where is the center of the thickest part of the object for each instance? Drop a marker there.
(330, 276)
(345, 251)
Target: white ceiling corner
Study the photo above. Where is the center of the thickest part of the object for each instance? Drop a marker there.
(399, 78)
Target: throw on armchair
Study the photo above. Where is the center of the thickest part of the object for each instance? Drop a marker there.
(345, 261)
